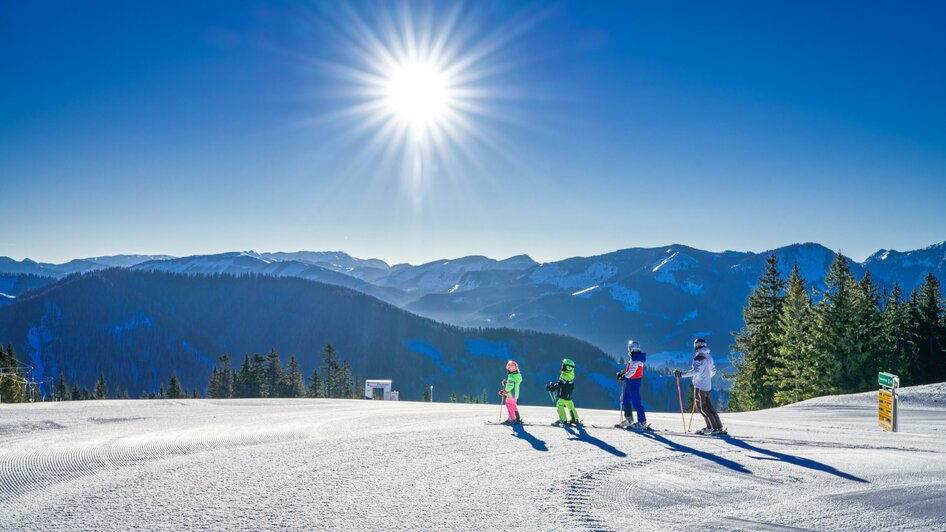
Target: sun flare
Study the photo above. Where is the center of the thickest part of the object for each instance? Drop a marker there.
(418, 94)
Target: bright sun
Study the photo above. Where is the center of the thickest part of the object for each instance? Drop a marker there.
(418, 94)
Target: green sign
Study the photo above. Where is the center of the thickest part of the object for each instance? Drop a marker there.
(886, 379)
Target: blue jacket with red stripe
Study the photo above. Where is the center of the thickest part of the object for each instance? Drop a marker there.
(635, 366)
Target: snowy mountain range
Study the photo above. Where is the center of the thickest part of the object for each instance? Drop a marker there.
(661, 296)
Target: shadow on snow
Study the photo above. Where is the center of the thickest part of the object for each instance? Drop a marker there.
(581, 434)
(790, 459)
(520, 432)
(674, 446)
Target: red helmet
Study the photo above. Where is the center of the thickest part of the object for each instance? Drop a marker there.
(512, 366)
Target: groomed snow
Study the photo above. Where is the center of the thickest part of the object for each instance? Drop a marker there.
(364, 465)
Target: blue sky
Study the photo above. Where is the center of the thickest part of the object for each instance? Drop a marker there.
(170, 127)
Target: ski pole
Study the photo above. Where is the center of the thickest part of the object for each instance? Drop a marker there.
(621, 404)
(692, 411)
(680, 397)
(502, 405)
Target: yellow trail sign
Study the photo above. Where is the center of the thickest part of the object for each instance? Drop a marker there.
(885, 410)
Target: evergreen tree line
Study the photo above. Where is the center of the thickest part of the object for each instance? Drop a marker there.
(796, 345)
(15, 387)
(12, 377)
(482, 398)
(265, 376)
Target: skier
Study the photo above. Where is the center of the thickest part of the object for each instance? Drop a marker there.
(631, 376)
(511, 392)
(702, 374)
(563, 391)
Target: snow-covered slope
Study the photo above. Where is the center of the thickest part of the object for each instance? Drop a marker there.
(365, 465)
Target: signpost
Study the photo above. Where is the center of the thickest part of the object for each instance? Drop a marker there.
(887, 401)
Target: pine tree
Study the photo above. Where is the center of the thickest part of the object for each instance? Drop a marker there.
(214, 385)
(453, 397)
(346, 384)
(315, 385)
(275, 377)
(62, 389)
(756, 343)
(426, 398)
(900, 355)
(867, 335)
(76, 394)
(175, 390)
(931, 331)
(484, 397)
(330, 372)
(797, 371)
(85, 394)
(242, 385)
(161, 392)
(836, 325)
(13, 384)
(227, 378)
(294, 385)
(101, 389)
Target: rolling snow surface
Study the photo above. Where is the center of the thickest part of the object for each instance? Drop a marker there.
(365, 465)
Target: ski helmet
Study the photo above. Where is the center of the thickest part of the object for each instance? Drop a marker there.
(698, 344)
(567, 364)
(511, 366)
(633, 346)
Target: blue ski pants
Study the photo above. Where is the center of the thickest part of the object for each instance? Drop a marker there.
(632, 397)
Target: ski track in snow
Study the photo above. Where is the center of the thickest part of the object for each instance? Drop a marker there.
(350, 465)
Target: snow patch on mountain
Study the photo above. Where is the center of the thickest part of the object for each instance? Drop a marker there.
(586, 293)
(675, 262)
(690, 285)
(629, 299)
(556, 275)
(428, 351)
(483, 348)
(138, 320)
(692, 315)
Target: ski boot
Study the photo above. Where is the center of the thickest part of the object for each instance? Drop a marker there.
(576, 423)
(705, 431)
(640, 426)
(720, 432)
(626, 424)
(559, 423)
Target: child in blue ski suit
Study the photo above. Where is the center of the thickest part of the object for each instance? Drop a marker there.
(630, 377)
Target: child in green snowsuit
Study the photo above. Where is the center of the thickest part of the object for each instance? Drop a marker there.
(563, 390)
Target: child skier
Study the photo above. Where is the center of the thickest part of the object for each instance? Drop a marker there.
(510, 392)
(630, 377)
(702, 374)
(563, 391)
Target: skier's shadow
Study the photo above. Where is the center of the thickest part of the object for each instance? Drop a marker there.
(581, 434)
(790, 459)
(520, 432)
(672, 445)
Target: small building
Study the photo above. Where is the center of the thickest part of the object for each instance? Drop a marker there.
(380, 390)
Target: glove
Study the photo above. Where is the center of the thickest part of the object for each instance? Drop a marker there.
(620, 375)
(502, 392)
(550, 386)
(677, 373)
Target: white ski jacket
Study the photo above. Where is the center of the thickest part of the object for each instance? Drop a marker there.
(702, 371)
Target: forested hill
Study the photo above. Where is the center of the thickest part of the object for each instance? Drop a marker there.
(140, 327)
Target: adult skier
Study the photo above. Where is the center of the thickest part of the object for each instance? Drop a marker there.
(510, 392)
(563, 391)
(630, 377)
(702, 373)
